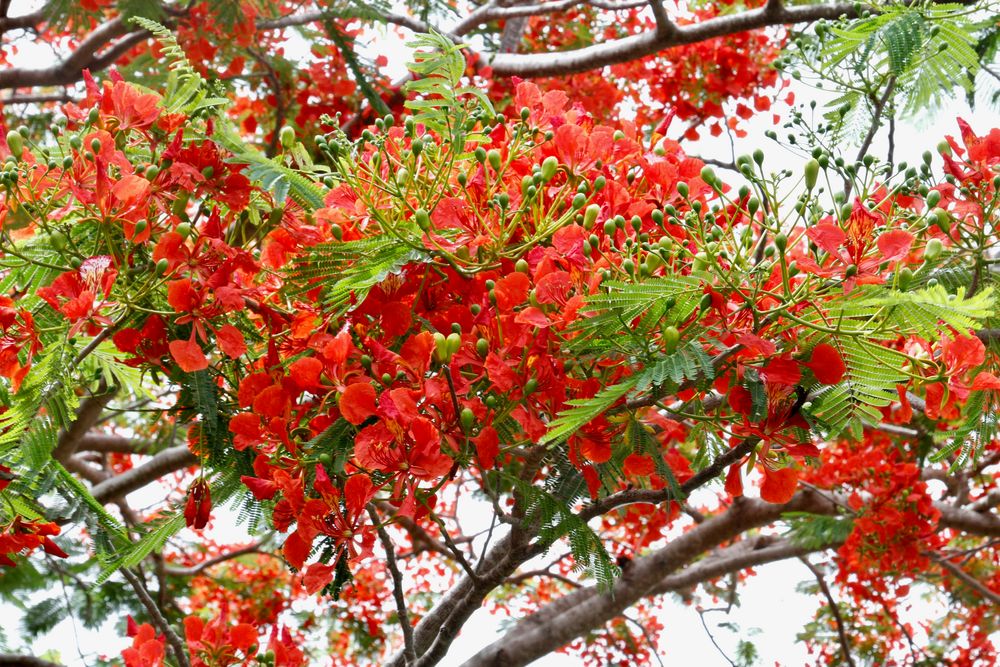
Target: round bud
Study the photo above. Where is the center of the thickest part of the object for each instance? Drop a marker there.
(286, 136)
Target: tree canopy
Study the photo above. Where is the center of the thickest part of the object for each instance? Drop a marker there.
(254, 282)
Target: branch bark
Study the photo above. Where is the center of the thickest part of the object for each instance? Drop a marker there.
(168, 461)
(71, 69)
(650, 42)
(15, 660)
(587, 608)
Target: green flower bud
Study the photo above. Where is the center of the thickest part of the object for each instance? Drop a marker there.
(287, 137)
(671, 337)
(15, 142)
(466, 419)
(422, 218)
(933, 249)
(811, 173)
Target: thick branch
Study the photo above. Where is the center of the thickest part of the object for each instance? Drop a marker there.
(986, 524)
(168, 461)
(71, 69)
(649, 42)
(86, 416)
(14, 660)
(305, 18)
(23, 22)
(588, 608)
(108, 442)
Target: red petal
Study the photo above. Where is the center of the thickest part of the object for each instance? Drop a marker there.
(417, 351)
(357, 402)
(985, 381)
(182, 296)
(734, 481)
(271, 402)
(963, 353)
(511, 291)
(779, 485)
(894, 243)
(827, 236)
(296, 549)
(595, 450)
(533, 317)
(639, 465)
(358, 490)
(194, 626)
(261, 489)
(783, 371)
(231, 341)
(317, 576)
(500, 374)
(826, 364)
(487, 447)
(188, 355)
(243, 636)
(306, 372)
(131, 190)
(741, 401)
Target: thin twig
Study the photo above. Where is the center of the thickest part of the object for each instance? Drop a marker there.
(967, 579)
(845, 646)
(157, 617)
(701, 615)
(410, 651)
(254, 548)
(646, 635)
(880, 104)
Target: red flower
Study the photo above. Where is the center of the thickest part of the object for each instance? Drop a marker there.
(344, 522)
(853, 247)
(217, 643)
(147, 650)
(827, 364)
(198, 509)
(80, 295)
(357, 402)
(17, 336)
(188, 355)
(22, 536)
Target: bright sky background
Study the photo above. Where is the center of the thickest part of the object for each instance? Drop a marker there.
(772, 613)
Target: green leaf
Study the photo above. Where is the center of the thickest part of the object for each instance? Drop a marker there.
(583, 411)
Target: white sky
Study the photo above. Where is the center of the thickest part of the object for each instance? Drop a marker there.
(772, 612)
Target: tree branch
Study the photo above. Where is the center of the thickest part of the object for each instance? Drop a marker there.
(87, 415)
(967, 579)
(254, 548)
(845, 646)
(409, 651)
(168, 461)
(71, 69)
(650, 42)
(653, 496)
(15, 660)
(139, 586)
(591, 607)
